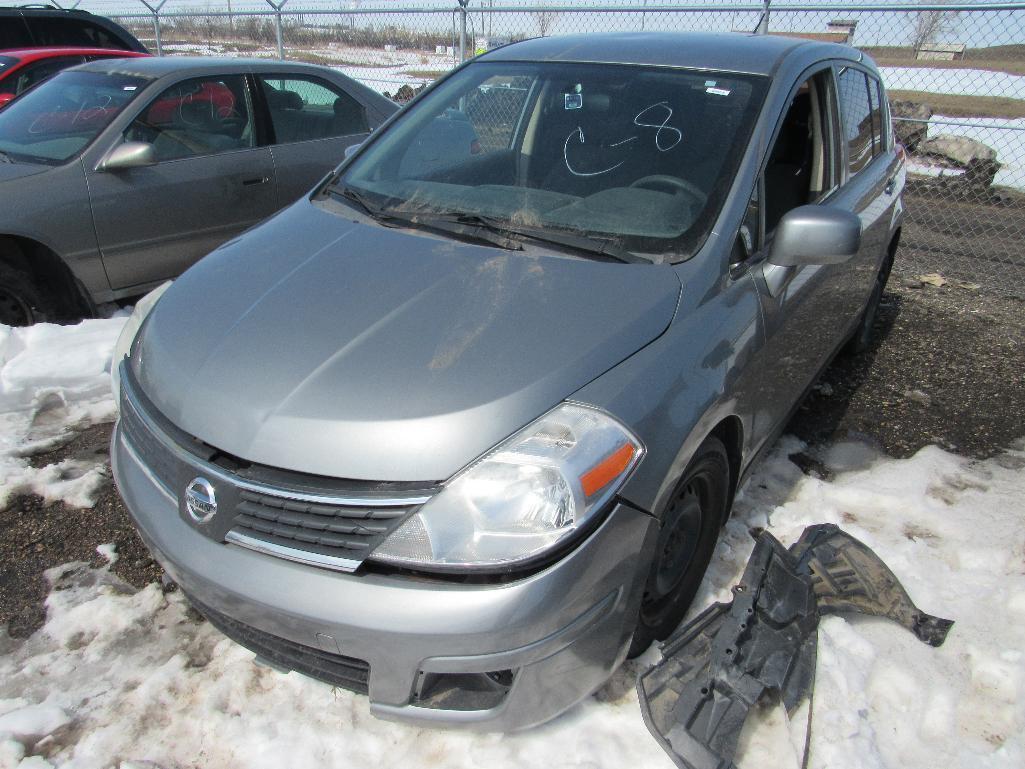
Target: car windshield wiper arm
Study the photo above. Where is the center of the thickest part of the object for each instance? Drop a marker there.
(5, 158)
(389, 218)
(349, 194)
(583, 243)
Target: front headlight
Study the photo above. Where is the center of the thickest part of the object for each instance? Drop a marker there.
(525, 497)
(124, 341)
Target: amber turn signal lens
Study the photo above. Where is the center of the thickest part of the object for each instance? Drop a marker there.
(607, 470)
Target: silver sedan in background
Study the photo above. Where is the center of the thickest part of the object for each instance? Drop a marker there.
(115, 176)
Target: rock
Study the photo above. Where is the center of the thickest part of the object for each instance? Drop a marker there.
(978, 161)
(919, 397)
(980, 174)
(909, 131)
(960, 149)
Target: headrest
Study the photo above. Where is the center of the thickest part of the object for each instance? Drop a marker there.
(284, 99)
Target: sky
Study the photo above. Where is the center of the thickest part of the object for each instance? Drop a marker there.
(978, 27)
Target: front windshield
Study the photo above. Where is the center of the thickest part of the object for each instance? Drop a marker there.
(54, 122)
(640, 156)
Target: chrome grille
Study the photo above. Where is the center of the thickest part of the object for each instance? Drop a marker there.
(328, 529)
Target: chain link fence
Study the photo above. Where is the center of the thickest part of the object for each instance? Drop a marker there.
(955, 74)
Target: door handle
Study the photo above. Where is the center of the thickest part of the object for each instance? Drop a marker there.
(255, 180)
(891, 185)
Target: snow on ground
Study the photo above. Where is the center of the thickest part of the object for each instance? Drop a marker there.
(970, 82)
(118, 677)
(52, 379)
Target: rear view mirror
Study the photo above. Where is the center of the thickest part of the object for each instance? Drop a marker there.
(129, 155)
(810, 235)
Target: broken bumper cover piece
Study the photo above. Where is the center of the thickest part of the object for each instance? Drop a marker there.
(763, 643)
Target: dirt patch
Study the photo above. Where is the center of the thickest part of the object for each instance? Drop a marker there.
(947, 368)
(35, 536)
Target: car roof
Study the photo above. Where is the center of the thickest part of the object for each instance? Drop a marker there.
(31, 15)
(722, 52)
(31, 54)
(159, 66)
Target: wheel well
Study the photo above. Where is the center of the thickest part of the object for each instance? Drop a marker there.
(48, 271)
(731, 432)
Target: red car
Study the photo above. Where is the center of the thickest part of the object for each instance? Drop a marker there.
(22, 68)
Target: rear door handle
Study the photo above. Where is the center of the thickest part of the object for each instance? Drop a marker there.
(891, 185)
(255, 180)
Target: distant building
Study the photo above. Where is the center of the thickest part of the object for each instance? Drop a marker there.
(837, 31)
(941, 51)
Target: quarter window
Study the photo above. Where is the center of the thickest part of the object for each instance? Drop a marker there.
(202, 116)
(856, 112)
(878, 129)
(304, 108)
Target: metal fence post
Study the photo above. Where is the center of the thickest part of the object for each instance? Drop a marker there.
(277, 25)
(763, 22)
(155, 10)
(462, 29)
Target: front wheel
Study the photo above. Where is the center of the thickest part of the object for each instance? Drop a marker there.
(22, 302)
(689, 531)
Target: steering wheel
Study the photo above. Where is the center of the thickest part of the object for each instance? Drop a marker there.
(674, 184)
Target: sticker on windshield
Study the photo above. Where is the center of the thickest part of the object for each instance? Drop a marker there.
(718, 91)
(574, 100)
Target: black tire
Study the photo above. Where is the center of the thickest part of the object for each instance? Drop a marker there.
(22, 302)
(862, 338)
(686, 540)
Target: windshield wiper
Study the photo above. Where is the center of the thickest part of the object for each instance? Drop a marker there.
(5, 158)
(391, 218)
(349, 194)
(588, 244)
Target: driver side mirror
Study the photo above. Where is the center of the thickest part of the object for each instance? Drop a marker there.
(815, 234)
(129, 155)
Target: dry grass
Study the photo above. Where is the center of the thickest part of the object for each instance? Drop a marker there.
(957, 105)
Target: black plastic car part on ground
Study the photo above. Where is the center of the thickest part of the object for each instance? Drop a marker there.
(49, 27)
(763, 643)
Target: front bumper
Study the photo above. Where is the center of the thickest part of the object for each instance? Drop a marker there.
(561, 631)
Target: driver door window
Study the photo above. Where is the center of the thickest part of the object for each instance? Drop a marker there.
(202, 116)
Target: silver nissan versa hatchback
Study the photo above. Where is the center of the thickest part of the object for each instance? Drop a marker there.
(459, 428)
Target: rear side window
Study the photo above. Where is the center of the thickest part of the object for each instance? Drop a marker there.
(71, 31)
(856, 112)
(494, 109)
(304, 108)
(13, 32)
(878, 128)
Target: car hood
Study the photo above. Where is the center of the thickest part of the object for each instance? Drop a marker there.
(351, 350)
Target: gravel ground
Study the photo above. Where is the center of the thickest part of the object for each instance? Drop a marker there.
(947, 368)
